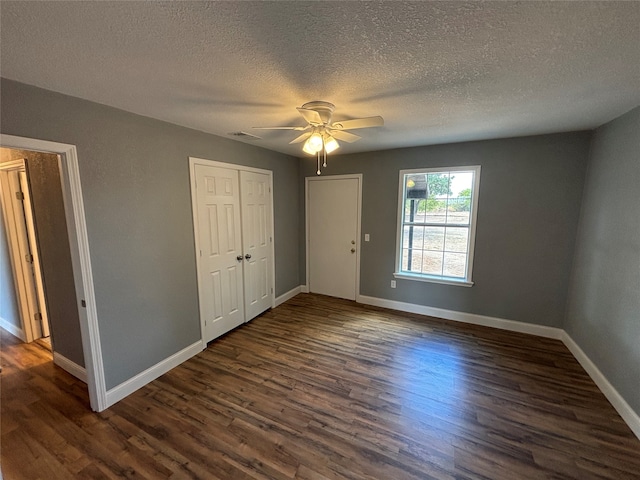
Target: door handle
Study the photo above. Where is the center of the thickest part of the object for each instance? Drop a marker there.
(239, 258)
(247, 256)
(353, 250)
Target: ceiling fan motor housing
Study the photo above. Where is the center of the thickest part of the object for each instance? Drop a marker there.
(324, 109)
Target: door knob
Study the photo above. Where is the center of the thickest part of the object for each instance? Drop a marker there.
(239, 258)
(353, 250)
(247, 256)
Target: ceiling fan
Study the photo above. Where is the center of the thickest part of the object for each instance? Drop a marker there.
(321, 134)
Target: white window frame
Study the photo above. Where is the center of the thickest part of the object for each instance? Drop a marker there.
(421, 277)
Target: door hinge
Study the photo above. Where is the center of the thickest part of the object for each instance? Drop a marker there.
(37, 317)
(20, 195)
(270, 239)
(271, 290)
(29, 258)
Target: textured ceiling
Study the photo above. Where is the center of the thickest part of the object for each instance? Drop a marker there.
(436, 71)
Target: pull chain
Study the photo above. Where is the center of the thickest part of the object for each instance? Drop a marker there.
(318, 171)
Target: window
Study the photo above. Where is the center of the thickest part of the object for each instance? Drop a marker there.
(437, 223)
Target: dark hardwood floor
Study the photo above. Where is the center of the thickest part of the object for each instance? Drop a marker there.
(321, 388)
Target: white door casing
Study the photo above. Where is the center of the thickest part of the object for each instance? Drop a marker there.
(251, 263)
(220, 250)
(80, 258)
(255, 193)
(333, 235)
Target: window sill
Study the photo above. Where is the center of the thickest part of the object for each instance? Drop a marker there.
(443, 281)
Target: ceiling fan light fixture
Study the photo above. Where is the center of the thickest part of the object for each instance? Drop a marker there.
(330, 144)
(315, 141)
(307, 148)
(321, 137)
(313, 144)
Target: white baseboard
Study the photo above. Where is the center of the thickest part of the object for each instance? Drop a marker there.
(304, 289)
(128, 387)
(288, 295)
(511, 325)
(623, 408)
(70, 367)
(12, 329)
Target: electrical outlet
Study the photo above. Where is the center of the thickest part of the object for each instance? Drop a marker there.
(366, 237)
(393, 284)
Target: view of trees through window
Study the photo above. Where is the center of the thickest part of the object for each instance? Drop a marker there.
(436, 223)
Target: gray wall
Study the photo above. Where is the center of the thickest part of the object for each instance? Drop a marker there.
(9, 310)
(135, 181)
(530, 191)
(603, 313)
(55, 254)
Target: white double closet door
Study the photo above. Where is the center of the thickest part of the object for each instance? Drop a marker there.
(234, 241)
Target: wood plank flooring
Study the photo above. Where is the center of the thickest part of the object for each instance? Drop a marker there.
(321, 388)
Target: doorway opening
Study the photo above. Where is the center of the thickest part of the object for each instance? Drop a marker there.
(86, 343)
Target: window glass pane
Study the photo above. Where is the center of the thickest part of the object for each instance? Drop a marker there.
(414, 261)
(456, 239)
(437, 192)
(455, 217)
(435, 210)
(415, 186)
(461, 184)
(408, 204)
(459, 201)
(416, 237)
(434, 238)
(454, 264)
(438, 185)
(432, 263)
(421, 206)
(405, 236)
(405, 256)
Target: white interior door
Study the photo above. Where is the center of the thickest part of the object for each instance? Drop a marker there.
(41, 326)
(255, 191)
(220, 245)
(333, 235)
(15, 214)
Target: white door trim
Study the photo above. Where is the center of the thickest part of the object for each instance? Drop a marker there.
(193, 161)
(80, 258)
(356, 176)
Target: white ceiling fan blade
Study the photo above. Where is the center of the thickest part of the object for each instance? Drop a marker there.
(311, 116)
(299, 129)
(302, 137)
(344, 136)
(366, 122)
